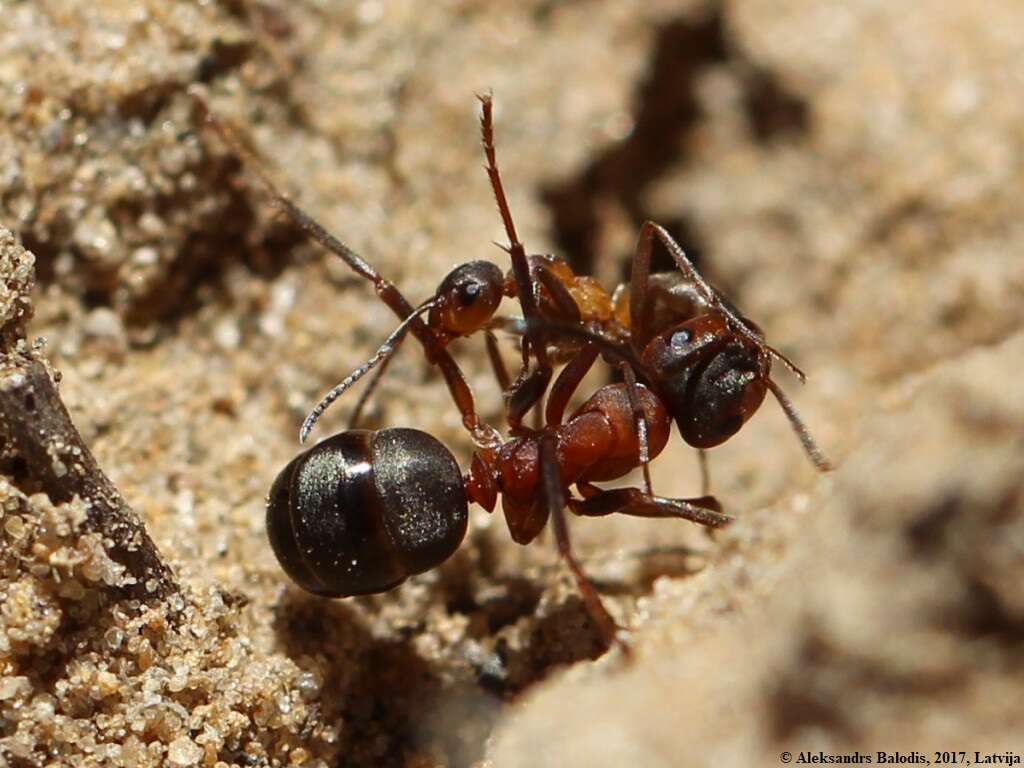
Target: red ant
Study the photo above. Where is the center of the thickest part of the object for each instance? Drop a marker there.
(362, 510)
(709, 364)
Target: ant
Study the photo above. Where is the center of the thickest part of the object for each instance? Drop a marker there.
(362, 510)
(674, 331)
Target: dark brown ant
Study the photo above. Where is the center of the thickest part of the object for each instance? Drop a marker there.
(361, 511)
(707, 362)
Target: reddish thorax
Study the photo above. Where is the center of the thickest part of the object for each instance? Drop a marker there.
(598, 442)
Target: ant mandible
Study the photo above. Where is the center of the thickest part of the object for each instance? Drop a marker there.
(361, 511)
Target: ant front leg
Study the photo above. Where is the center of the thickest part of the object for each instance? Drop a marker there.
(598, 502)
(554, 496)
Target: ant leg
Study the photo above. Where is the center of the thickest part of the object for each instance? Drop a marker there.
(705, 474)
(639, 278)
(567, 383)
(554, 497)
(524, 394)
(598, 502)
(387, 291)
(640, 422)
(497, 361)
(533, 385)
(642, 265)
(568, 311)
(529, 388)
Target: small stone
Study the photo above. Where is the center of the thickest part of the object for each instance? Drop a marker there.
(14, 526)
(177, 682)
(10, 686)
(184, 751)
(94, 234)
(113, 638)
(309, 685)
(103, 322)
(226, 334)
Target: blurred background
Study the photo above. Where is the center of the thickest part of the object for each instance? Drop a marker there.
(847, 172)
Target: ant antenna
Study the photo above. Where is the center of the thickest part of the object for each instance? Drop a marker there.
(364, 397)
(487, 139)
(301, 219)
(380, 356)
(711, 295)
(482, 433)
(814, 453)
(517, 253)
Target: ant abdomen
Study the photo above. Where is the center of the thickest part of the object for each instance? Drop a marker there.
(361, 511)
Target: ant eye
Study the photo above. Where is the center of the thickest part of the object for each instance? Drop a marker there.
(680, 339)
(468, 297)
(468, 293)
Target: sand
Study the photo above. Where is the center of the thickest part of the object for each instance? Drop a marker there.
(848, 173)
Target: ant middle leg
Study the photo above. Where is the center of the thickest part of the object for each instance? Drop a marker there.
(497, 362)
(568, 381)
(639, 423)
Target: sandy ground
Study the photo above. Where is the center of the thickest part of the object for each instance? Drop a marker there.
(847, 172)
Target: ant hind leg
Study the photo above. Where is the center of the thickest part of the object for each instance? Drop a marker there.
(598, 502)
(554, 497)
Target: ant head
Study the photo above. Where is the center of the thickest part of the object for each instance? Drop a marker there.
(467, 298)
(712, 379)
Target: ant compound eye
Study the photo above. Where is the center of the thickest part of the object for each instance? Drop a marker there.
(680, 340)
(468, 297)
(467, 293)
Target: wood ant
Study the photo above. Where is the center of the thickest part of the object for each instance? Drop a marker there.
(361, 511)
